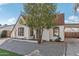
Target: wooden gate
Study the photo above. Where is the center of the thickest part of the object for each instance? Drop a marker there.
(71, 34)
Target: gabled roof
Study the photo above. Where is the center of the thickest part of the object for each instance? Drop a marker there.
(15, 24)
(59, 19)
(25, 17)
(3, 26)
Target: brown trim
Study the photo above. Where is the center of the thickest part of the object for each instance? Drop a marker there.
(31, 32)
(21, 31)
(72, 24)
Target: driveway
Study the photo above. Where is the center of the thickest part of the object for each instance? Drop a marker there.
(25, 48)
(72, 47)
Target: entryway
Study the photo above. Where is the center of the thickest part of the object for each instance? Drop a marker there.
(5, 34)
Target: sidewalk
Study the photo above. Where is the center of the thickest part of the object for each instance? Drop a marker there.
(72, 47)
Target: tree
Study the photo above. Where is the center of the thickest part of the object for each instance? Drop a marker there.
(40, 16)
(76, 6)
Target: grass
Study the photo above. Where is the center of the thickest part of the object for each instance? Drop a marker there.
(8, 53)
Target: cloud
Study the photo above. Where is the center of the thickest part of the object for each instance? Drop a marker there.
(78, 9)
(72, 19)
(3, 4)
(11, 20)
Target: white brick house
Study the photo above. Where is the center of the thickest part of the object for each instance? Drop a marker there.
(23, 31)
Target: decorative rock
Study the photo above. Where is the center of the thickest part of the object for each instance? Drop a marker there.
(35, 53)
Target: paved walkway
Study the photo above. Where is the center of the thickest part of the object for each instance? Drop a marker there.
(2, 40)
(32, 41)
(72, 47)
(25, 48)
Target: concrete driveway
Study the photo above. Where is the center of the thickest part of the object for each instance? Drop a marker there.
(25, 48)
(72, 47)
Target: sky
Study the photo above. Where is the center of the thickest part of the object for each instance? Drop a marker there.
(9, 13)
(69, 16)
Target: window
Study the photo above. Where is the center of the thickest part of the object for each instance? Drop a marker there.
(56, 31)
(21, 31)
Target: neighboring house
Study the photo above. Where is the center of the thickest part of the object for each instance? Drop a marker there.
(24, 31)
(7, 29)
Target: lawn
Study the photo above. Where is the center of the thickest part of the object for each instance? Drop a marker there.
(8, 53)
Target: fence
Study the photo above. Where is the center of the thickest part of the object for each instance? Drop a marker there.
(71, 34)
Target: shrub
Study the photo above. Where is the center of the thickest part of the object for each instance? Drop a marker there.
(58, 39)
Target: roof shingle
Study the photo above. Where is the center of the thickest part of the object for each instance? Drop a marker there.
(59, 20)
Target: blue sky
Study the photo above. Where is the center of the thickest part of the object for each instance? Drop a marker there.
(9, 13)
(67, 9)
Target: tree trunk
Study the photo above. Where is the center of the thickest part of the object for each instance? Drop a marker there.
(39, 35)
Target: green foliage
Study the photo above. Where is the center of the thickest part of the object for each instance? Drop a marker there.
(8, 53)
(40, 15)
